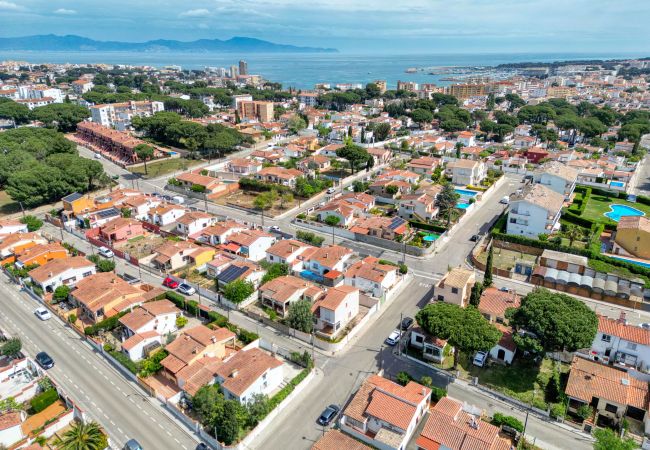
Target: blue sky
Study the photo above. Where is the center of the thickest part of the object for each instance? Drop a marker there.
(395, 26)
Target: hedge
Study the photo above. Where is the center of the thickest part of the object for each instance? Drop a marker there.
(437, 393)
(288, 389)
(501, 419)
(427, 226)
(125, 361)
(217, 319)
(107, 324)
(251, 184)
(43, 400)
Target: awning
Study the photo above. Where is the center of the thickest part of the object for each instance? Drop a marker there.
(232, 247)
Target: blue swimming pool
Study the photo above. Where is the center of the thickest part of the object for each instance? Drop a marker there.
(632, 261)
(462, 205)
(311, 276)
(430, 237)
(616, 183)
(465, 192)
(618, 211)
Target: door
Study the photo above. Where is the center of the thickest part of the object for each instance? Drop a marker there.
(501, 354)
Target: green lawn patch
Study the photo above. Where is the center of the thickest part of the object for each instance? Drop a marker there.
(598, 205)
(7, 205)
(164, 167)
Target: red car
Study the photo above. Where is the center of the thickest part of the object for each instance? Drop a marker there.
(171, 284)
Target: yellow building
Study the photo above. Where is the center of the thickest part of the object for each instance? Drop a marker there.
(76, 203)
(467, 90)
(633, 237)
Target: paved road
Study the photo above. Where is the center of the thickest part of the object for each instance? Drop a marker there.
(99, 389)
(642, 181)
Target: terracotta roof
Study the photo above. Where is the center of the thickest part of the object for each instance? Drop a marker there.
(17, 238)
(192, 342)
(137, 338)
(193, 216)
(560, 170)
(335, 297)
(280, 172)
(627, 332)
(589, 379)
(197, 178)
(282, 288)
(199, 374)
(10, 419)
(247, 237)
(57, 266)
(330, 255)
(39, 250)
(640, 223)
(369, 268)
(244, 368)
(286, 248)
(495, 302)
(462, 164)
(119, 222)
(335, 440)
(98, 290)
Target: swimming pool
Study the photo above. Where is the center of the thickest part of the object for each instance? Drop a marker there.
(618, 211)
(632, 261)
(462, 205)
(429, 237)
(311, 276)
(616, 183)
(465, 192)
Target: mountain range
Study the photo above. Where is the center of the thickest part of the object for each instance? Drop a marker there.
(67, 43)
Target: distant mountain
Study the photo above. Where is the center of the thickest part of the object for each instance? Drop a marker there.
(51, 42)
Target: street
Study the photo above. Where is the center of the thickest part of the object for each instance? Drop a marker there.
(99, 389)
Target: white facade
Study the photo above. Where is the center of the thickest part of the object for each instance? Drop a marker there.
(13, 432)
(195, 226)
(256, 250)
(68, 277)
(339, 317)
(608, 348)
(266, 384)
(531, 220)
(503, 354)
(556, 183)
(375, 288)
(167, 217)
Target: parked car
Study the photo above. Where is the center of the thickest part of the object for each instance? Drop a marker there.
(328, 415)
(511, 432)
(129, 278)
(202, 446)
(132, 444)
(170, 283)
(331, 190)
(475, 237)
(44, 360)
(504, 289)
(42, 313)
(480, 359)
(406, 323)
(505, 200)
(105, 252)
(274, 228)
(178, 199)
(186, 289)
(98, 156)
(645, 325)
(393, 338)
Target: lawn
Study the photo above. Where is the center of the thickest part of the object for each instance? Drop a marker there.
(245, 199)
(7, 205)
(506, 259)
(164, 167)
(598, 205)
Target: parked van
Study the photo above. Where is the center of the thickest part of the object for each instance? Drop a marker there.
(178, 199)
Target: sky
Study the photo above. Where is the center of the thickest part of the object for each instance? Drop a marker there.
(373, 26)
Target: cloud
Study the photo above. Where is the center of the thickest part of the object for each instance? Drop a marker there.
(201, 12)
(9, 6)
(65, 12)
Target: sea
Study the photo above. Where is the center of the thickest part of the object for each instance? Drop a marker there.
(304, 70)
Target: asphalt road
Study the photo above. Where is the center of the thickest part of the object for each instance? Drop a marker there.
(98, 388)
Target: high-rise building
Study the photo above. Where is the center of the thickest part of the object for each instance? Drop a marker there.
(243, 67)
(262, 111)
(463, 91)
(234, 71)
(407, 86)
(381, 84)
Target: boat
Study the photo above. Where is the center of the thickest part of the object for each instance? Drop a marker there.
(411, 70)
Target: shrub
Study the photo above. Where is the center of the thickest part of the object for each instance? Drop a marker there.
(217, 319)
(108, 347)
(246, 336)
(301, 216)
(501, 419)
(106, 265)
(585, 411)
(403, 378)
(310, 238)
(33, 223)
(107, 325)
(60, 294)
(176, 298)
(125, 361)
(558, 410)
(43, 400)
(72, 318)
(181, 321)
(437, 393)
(285, 391)
(304, 359)
(427, 226)
(152, 365)
(403, 269)
(197, 188)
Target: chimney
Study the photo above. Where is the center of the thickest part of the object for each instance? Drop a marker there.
(622, 319)
(234, 373)
(213, 339)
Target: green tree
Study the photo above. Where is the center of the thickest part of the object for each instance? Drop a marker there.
(372, 90)
(229, 429)
(61, 293)
(82, 436)
(285, 198)
(465, 329)
(15, 112)
(33, 223)
(332, 221)
(381, 131)
(392, 190)
(296, 123)
(607, 439)
(560, 322)
(237, 291)
(446, 201)
(300, 316)
(126, 212)
(487, 276)
(421, 116)
(258, 407)
(573, 233)
(61, 116)
(105, 265)
(475, 295)
(144, 152)
(274, 271)
(11, 347)
(355, 155)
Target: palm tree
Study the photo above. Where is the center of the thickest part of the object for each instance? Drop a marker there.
(573, 233)
(446, 201)
(82, 436)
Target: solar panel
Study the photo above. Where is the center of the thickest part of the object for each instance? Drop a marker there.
(72, 197)
(231, 273)
(396, 222)
(104, 213)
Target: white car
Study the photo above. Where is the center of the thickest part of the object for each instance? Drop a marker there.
(505, 200)
(480, 359)
(331, 190)
(98, 156)
(105, 252)
(42, 313)
(274, 228)
(186, 289)
(393, 338)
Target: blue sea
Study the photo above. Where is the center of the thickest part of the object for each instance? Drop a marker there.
(302, 71)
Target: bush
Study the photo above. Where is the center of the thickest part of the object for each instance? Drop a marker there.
(285, 391)
(217, 319)
(181, 321)
(310, 238)
(33, 223)
(152, 365)
(60, 294)
(106, 265)
(403, 378)
(107, 325)
(304, 359)
(43, 400)
(176, 298)
(197, 188)
(437, 393)
(72, 318)
(125, 361)
(403, 269)
(427, 226)
(246, 336)
(558, 410)
(585, 411)
(501, 419)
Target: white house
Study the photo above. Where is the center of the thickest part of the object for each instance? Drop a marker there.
(247, 373)
(413, 206)
(433, 348)
(10, 427)
(290, 252)
(328, 258)
(385, 414)
(251, 243)
(218, 233)
(194, 222)
(466, 172)
(11, 226)
(621, 344)
(165, 214)
(466, 138)
(140, 205)
(557, 177)
(504, 351)
(536, 211)
(61, 272)
(159, 316)
(334, 311)
(372, 277)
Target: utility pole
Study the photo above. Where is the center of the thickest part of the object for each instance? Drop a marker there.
(313, 356)
(332, 234)
(21, 208)
(399, 342)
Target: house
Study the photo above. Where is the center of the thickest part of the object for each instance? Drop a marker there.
(399, 175)
(61, 272)
(10, 427)
(424, 165)
(140, 205)
(279, 293)
(218, 233)
(249, 373)
(104, 295)
(40, 254)
(165, 214)
(244, 166)
(632, 237)
(344, 212)
(466, 138)
(417, 206)
(328, 258)
(121, 229)
(454, 425)
(505, 349)
(466, 172)
(613, 393)
(145, 326)
(433, 348)
(455, 287)
(17, 242)
(11, 226)
(241, 269)
(197, 181)
(251, 243)
(193, 223)
(382, 227)
(172, 255)
(494, 303)
(77, 203)
(558, 177)
(288, 251)
(335, 440)
(336, 310)
(387, 190)
(381, 155)
(621, 344)
(313, 163)
(385, 414)
(193, 344)
(524, 142)
(536, 154)
(329, 150)
(535, 211)
(279, 175)
(372, 277)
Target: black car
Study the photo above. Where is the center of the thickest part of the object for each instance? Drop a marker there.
(201, 446)
(132, 444)
(44, 360)
(475, 237)
(406, 323)
(328, 415)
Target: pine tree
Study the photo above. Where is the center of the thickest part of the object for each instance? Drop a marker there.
(487, 278)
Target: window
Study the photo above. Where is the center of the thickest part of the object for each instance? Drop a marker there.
(454, 290)
(419, 339)
(611, 408)
(631, 346)
(606, 338)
